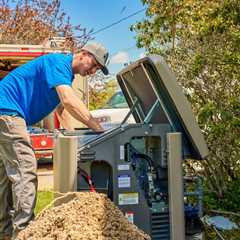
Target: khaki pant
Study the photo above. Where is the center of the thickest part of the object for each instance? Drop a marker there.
(18, 178)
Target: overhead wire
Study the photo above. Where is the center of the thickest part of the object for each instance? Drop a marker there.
(117, 22)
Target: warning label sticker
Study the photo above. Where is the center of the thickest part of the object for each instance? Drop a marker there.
(129, 216)
(124, 181)
(121, 152)
(123, 167)
(127, 198)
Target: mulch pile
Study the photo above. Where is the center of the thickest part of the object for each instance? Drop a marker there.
(88, 216)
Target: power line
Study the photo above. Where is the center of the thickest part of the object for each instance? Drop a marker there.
(117, 22)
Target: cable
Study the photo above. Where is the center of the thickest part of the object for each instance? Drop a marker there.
(117, 22)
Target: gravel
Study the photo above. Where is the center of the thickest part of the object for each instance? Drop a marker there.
(88, 216)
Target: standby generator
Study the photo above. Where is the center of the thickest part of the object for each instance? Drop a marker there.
(139, 165)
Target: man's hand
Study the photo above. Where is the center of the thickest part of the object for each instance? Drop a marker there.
(76, 107)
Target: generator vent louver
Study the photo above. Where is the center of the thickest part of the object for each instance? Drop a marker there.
(160, 226)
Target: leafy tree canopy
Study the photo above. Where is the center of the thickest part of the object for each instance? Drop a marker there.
(100, 92)
(200, 39)
(33, 21)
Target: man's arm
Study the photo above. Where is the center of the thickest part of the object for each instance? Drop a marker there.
(64, 117)
(76, 107)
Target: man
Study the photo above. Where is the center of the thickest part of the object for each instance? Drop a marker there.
(27, 95)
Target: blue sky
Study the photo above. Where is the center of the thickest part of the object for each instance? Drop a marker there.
(96, 14)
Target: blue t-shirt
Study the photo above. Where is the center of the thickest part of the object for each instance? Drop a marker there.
(30, 89)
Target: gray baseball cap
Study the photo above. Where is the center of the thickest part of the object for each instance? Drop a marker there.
(100, 53)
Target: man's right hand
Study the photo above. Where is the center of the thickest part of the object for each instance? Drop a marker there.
(76, 107)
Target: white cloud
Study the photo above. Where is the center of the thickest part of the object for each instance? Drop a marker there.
(142, 55)
(120, 57)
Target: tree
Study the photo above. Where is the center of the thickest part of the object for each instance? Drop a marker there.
(33, 21)
(200, 39)
(101, 91)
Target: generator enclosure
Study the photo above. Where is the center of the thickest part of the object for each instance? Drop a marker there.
(139, 166)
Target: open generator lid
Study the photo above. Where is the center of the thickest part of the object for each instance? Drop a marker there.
(151, 89)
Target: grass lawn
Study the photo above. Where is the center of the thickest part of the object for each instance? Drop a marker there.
(43, 199)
